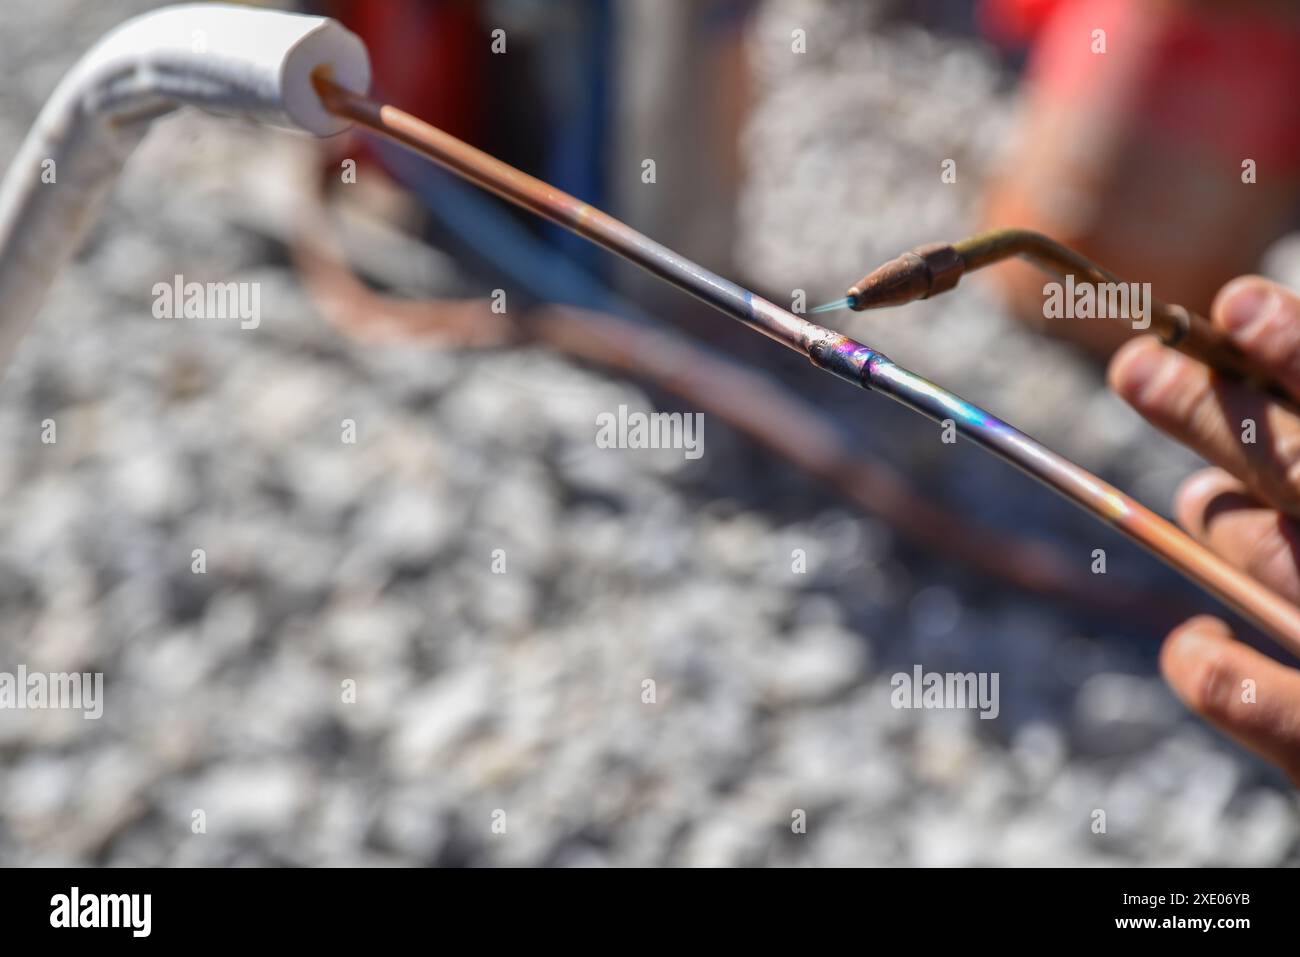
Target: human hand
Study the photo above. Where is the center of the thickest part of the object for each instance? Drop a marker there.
(1246, 508)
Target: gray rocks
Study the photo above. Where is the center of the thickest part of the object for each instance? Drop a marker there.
(473, 637)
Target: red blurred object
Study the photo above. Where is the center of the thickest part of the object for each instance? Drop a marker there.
(430, 56)
(1014, 23)
(1139, 121)
(1219, 78)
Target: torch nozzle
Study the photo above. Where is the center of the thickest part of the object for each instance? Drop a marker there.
(919, 274)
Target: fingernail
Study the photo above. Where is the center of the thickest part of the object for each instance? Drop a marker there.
(1245, 304)
(1190, 642)
(1197, 633)
(1195, 495)
(1138, 368)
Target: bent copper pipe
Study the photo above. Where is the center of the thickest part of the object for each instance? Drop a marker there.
(836, 353)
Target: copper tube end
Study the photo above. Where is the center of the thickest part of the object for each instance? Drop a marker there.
(919, 274)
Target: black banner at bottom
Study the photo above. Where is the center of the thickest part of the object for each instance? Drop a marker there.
(335, 907)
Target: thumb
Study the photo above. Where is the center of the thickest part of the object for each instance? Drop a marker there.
(1242, 692)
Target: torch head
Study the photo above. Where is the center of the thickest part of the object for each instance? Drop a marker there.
(925, 271)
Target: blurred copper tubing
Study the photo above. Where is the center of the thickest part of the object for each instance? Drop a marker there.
(836, 353)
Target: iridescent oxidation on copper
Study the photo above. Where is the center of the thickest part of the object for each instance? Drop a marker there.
(836, 353)
(844, 357)
(1003, 440)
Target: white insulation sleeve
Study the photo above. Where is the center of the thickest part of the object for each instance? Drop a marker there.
(226, 59)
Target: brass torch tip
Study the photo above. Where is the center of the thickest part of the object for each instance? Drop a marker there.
(898, 281)
(924, 272)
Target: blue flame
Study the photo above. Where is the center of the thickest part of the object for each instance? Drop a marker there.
(833, 306)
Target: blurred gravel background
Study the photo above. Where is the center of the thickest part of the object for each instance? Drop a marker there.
(522, 692)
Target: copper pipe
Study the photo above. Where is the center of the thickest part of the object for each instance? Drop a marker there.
(770, 415)
(838, 354)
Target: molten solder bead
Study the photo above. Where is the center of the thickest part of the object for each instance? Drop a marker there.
(923, 272)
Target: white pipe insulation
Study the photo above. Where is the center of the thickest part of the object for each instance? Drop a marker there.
(236, 61)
